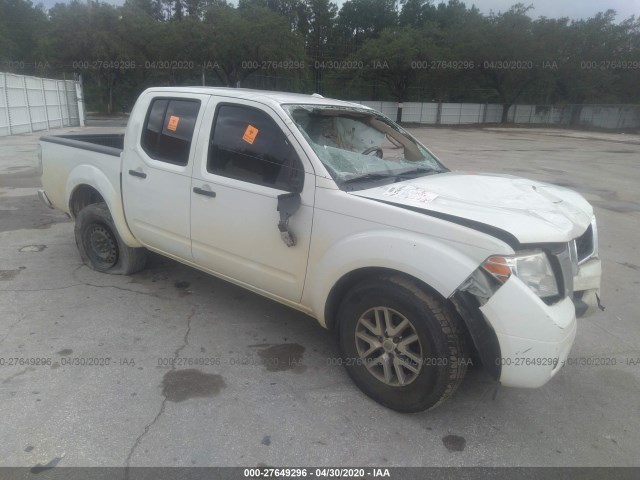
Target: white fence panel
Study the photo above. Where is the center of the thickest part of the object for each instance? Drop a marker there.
(429, 113)
(630, 117)
(600, 116)
(450, 113)
(493, 113)
(54, 110)
(461, 113)
(29, 104)
(63, 102)
(17, 102)
(591, 116)
(4, 109)
(412, 112)
(522, 113)
(72, 102)
(539, 114)
(471, 113)
(390, 109)
(559, 116)
(37, 107)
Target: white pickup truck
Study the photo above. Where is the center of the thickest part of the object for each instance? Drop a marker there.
(332, 209)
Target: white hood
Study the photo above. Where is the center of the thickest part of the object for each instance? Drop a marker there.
(531, 211)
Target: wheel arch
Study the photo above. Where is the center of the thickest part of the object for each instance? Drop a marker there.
(435, 265)
(86, 184)
(352, 278)
(81, 196)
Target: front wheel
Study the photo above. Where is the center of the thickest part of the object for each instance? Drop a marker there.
(100, 246)
(402, 346)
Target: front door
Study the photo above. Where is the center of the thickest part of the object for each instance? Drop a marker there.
(251, 159)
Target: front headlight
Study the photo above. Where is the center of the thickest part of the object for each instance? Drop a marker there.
(532, 268)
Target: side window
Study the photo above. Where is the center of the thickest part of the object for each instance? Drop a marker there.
(168, 130)
(246, 144)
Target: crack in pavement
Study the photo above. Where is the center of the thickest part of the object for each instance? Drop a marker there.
(155, 295)
(39, 289)
(148, 426)
(80, 285)
(21, 372)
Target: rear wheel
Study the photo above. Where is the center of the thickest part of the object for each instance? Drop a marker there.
(100, 246)
(402, 346)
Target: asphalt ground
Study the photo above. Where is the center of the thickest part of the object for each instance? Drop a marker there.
(234, 398)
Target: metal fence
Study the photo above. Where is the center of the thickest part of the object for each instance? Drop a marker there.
(586, 116)
(29, 104)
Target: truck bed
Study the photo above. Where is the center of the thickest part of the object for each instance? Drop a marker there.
(90, 156)
(108, 143)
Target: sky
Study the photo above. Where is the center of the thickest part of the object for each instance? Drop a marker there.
(574, 9)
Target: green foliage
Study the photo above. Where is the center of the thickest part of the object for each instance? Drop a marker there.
(21, 24)
(368, 49)
(388, 58)
(360, 20)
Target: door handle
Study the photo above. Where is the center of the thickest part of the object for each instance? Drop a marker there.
(136, 173)
(202, 191)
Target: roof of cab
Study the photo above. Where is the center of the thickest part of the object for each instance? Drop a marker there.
(264, 96)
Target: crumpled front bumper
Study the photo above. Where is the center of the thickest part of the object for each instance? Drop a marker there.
(586, 287)
(535, 338)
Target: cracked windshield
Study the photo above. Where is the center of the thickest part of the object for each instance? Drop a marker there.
(361, 148)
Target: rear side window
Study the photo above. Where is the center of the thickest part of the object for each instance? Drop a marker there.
(248, 145)
(168, 129)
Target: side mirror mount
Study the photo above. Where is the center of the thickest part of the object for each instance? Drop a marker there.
(288, 205)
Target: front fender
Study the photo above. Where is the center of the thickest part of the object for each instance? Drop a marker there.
(94, 177)
(428, 259)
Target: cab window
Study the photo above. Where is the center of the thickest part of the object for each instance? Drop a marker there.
(168, 129)
(248, 145)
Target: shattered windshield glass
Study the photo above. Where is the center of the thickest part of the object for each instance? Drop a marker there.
(360, 147)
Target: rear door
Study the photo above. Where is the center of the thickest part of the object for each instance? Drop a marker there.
(156, 174)
(251, 158)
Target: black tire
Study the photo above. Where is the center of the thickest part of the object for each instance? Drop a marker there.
(100, 245)
(440, 344)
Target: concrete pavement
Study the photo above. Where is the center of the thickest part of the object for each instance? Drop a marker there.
(172, 367)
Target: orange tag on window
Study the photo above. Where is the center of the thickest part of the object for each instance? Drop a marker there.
(173, 123)
(250, 134)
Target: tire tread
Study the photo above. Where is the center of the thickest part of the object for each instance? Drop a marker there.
(131, 260)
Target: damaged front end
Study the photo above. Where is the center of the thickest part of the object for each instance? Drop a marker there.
(521, 309)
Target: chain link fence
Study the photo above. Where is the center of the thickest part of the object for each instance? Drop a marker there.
(30, 104)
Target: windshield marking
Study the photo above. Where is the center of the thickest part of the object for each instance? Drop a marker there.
(410, 192)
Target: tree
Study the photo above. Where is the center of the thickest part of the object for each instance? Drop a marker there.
(416, 13)
(514, 58)
(21, 25)
(592, 46)
(390, 59)
(321, 19)
(153, 9)
(82, 39)
(243, 41)
(363, 19)
(454, 14)
(292, 10)
(508, 55)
